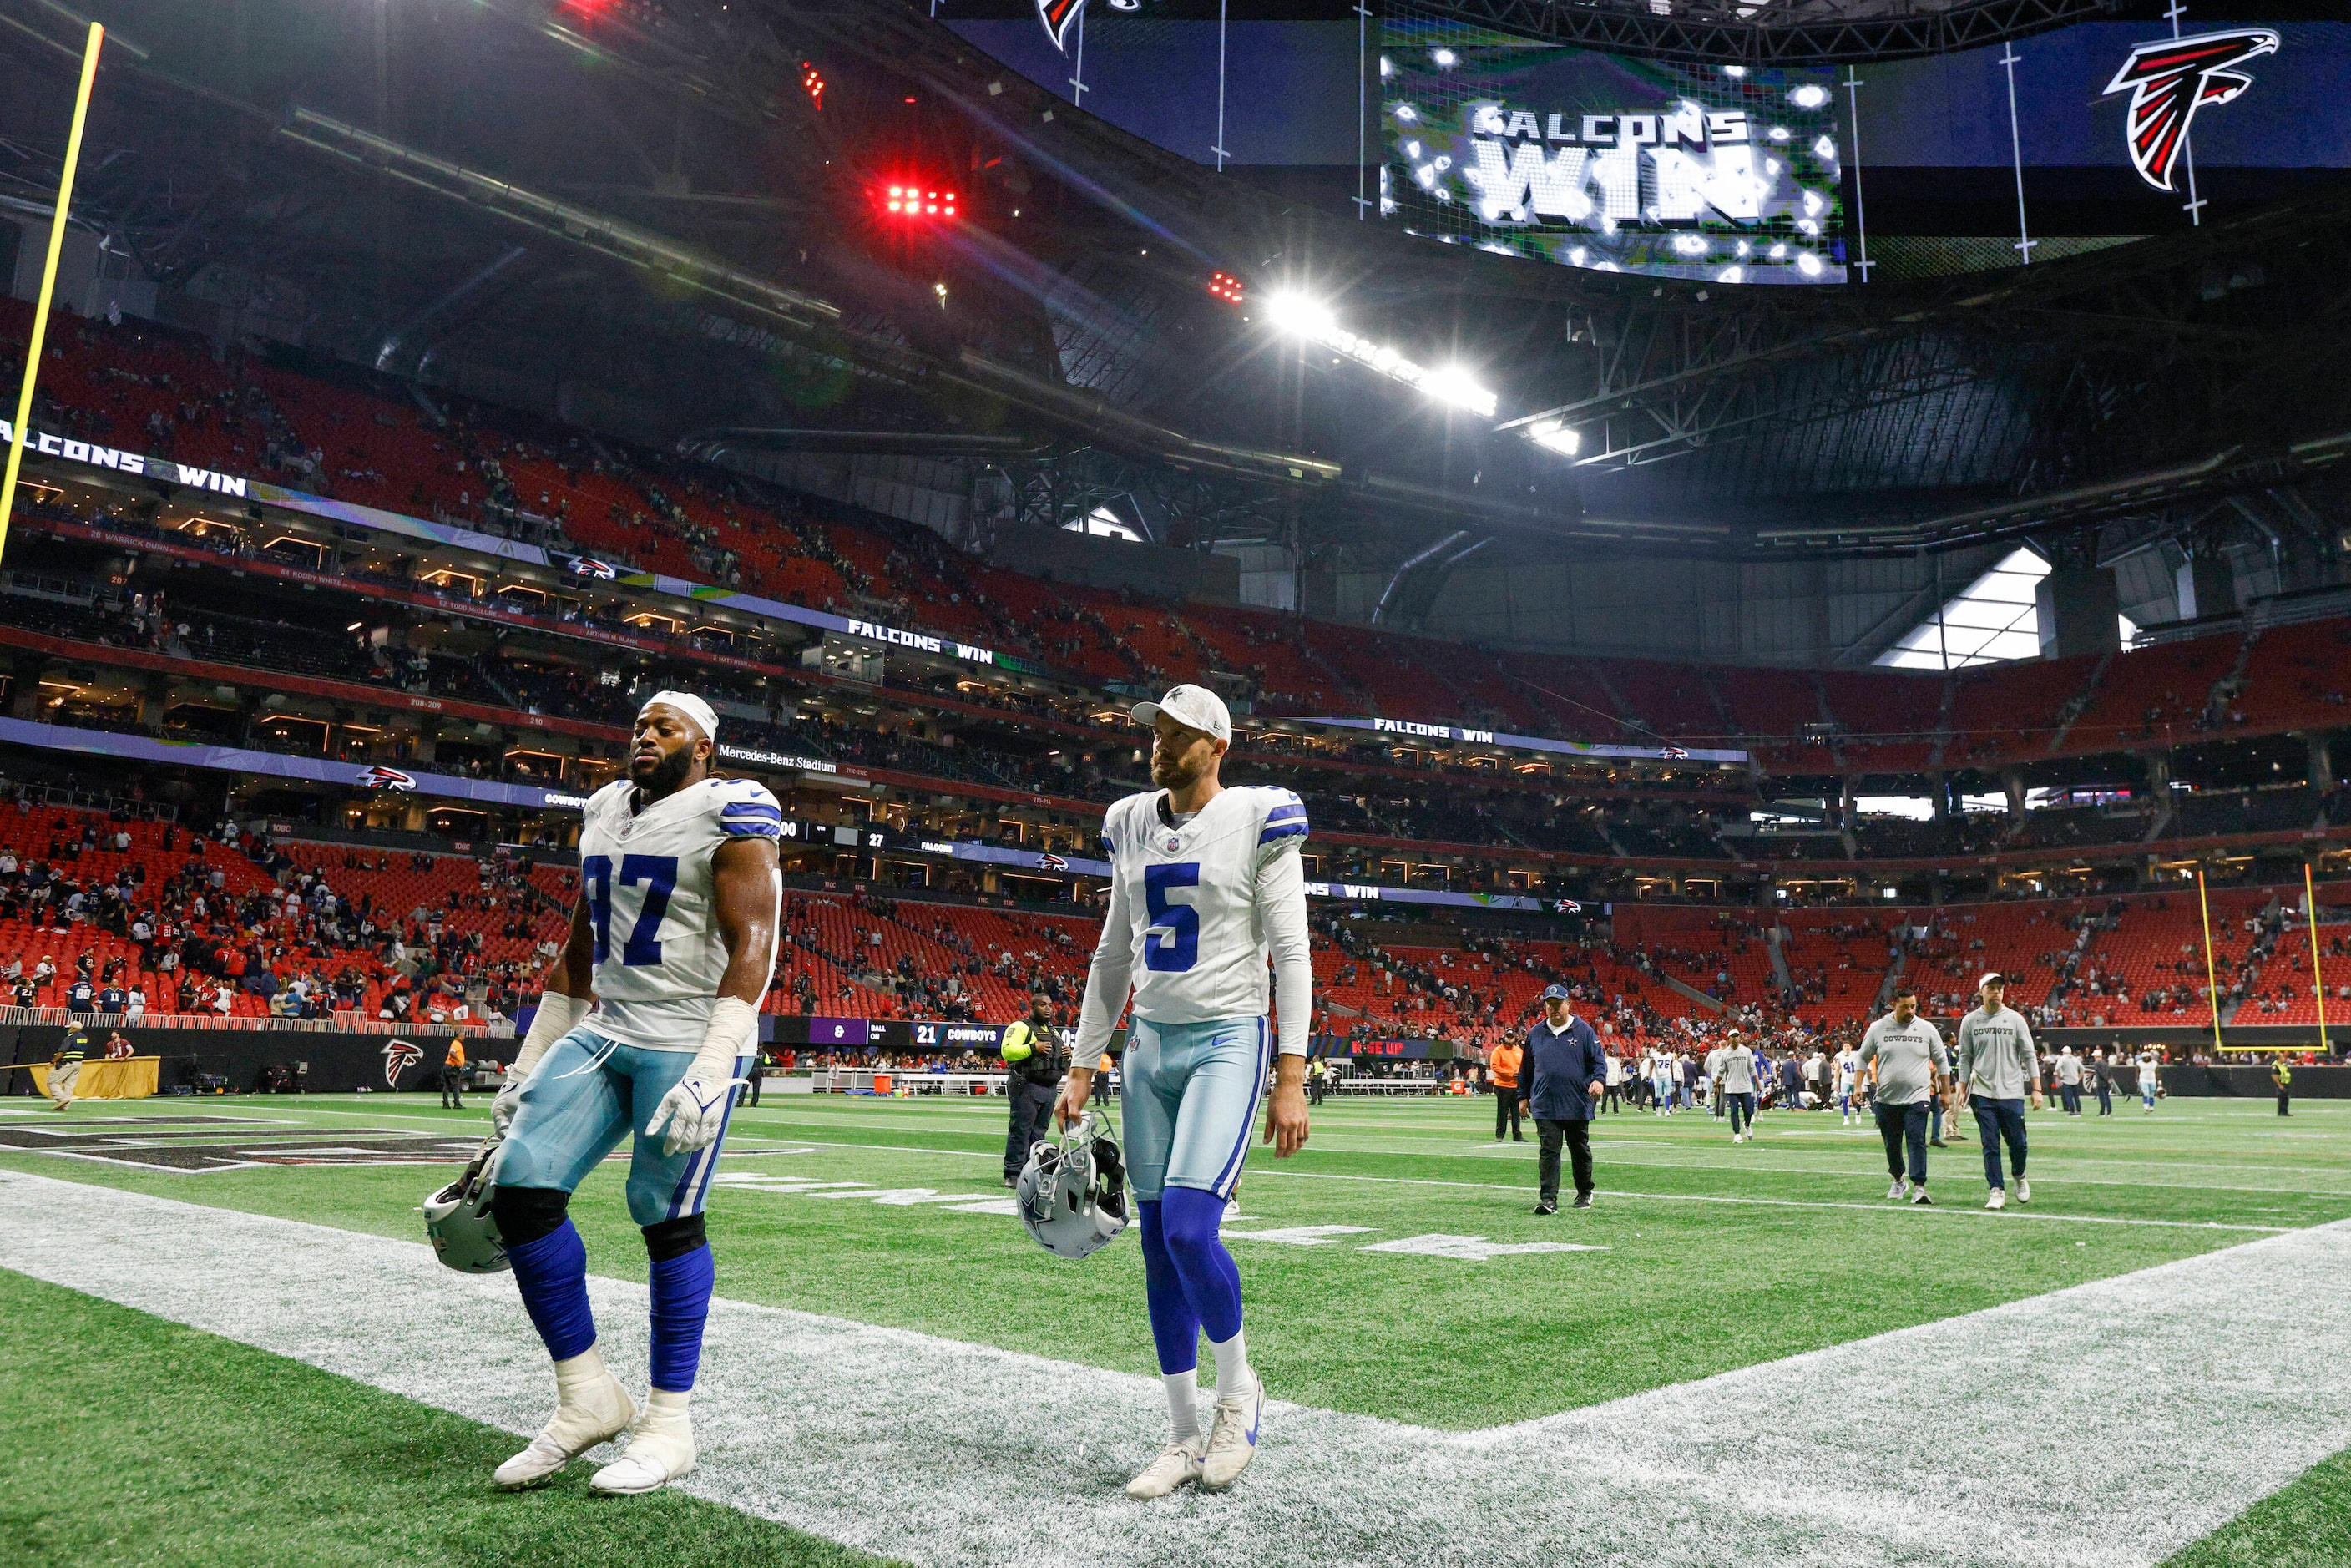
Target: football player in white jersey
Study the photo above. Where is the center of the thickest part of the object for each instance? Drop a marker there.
(648, 1021)
(1848, 1083)
(1205, 884)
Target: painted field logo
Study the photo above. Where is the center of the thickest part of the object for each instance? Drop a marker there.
(2169, 80)
(398, 1057)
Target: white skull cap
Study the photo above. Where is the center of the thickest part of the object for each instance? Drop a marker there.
(693, 706)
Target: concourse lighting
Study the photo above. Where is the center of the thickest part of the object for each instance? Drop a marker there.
(1300, 317)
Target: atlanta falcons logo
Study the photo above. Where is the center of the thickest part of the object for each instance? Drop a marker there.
(398, 1057)
(2169, 80)
(1061, 15)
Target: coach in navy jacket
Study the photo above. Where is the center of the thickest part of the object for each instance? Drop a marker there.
(1561, 1080)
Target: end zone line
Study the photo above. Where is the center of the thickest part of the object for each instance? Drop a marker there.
(928, 1450)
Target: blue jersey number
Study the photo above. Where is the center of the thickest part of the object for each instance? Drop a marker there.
(1172, 945)
(658, 875)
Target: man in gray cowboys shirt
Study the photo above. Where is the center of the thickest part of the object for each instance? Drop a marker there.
(1997, 1069)
(1903, 1057)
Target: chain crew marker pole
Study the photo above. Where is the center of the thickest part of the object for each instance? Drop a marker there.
(2317, 979)
(48, 281)
(2211, 983)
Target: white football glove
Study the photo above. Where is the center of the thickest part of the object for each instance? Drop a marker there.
(694, 1109)
(558, 1016)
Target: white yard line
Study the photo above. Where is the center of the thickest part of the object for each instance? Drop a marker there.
(1997, 1439)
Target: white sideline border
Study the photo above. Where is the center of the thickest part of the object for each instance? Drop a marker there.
(2043, 1432)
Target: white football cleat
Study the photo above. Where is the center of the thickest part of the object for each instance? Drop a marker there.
(1178, 1464)
(1999, 1198)
(590, 1407)
(1232, 1441)
(1900, 1189)
(660, 1449)
(2023, 1190)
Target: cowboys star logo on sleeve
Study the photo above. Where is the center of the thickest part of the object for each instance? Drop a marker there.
(2169, 79)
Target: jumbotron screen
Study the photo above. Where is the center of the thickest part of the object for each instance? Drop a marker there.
(1565, 155)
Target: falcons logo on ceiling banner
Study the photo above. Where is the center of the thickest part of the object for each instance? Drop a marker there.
(2169, 79)
(1061, 15)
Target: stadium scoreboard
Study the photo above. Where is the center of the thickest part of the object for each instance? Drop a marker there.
(1730, 175)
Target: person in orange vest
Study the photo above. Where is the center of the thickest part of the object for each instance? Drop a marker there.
(453, 1075)
(1503, 1066)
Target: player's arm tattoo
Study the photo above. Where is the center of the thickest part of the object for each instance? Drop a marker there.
(744, 890)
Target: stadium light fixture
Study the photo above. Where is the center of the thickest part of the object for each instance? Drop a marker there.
(1300, 316)
(1227, 287)
(1556, 435)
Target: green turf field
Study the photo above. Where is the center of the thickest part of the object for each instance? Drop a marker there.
(1703, 1257)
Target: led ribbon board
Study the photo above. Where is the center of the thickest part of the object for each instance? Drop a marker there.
(1725, 173)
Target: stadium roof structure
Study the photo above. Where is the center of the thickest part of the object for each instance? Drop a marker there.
(1776, 32)
(659, 220)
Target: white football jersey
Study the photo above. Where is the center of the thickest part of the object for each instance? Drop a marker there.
(1190, 898)
(651, 909)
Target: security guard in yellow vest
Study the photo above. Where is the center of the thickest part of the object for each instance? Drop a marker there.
(1035, 1062)
(2282, 1074)
(66, 1066)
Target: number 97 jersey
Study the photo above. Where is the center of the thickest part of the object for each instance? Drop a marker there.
(652, 909)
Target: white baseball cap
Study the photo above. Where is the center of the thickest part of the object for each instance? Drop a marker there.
(1193, 707)
(1988, 977)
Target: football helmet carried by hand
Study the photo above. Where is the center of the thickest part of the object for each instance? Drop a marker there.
(457, 1218)
(1073, 1191)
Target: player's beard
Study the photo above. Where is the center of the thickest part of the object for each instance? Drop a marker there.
(1170, 772)
(668, 774)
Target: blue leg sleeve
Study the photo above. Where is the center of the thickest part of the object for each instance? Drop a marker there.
(1175, 1326)
(552, 1274)
(679, 1289)
(1212, 1283)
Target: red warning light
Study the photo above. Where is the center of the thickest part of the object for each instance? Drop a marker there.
(918, 202)
(1226, 286)
(812, 82)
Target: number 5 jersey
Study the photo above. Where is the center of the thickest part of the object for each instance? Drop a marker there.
(651, 904)
(1196, 906)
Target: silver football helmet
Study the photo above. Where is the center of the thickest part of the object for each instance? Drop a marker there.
(457, 1218)
(1073, 1191)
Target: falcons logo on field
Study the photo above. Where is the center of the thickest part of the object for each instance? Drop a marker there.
(1061, 15)
(398, 1057)
(2169, 80)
